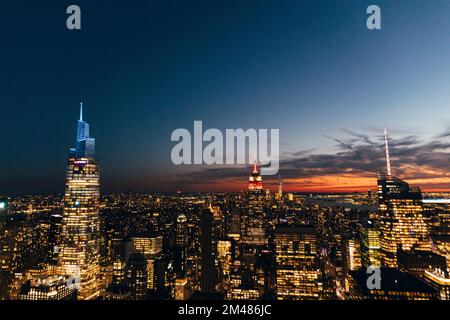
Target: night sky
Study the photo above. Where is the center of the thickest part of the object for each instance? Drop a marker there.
(144, 68)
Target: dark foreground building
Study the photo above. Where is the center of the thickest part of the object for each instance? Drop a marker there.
(394, 285)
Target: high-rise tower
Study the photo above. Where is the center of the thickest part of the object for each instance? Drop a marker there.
(208, 272)
(254, 233)
(181, 244)
(370, 244)
(279, 194)
(79, 255)
(402, 223)
(255, 186)
(150, 245)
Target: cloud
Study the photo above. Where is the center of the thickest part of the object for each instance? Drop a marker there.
(362, 137)
(302, 152)
(445, 134)
(343, 144)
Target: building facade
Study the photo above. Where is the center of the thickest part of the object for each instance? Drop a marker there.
(80, 235)
(297, 265)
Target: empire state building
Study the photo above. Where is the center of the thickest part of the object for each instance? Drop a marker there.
(79, 252)
(254, 233)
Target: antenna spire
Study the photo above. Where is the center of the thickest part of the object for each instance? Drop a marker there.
(255, 168)
(255, 161)
(388, 160)
(81, 111)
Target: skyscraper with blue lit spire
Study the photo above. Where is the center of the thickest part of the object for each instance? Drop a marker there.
(84, 144)
(82, 126)
(80, 237)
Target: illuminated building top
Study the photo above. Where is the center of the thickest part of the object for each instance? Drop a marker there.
(255, 180)
(390, 187)
(84, 145)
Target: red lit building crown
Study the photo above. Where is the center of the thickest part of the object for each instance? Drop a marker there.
(255, 180)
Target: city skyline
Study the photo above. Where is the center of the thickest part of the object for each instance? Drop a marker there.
(223, 157)
(253, 245)
(313, 71)
(367, 154)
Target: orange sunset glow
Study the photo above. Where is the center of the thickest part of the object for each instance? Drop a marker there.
(427, 179)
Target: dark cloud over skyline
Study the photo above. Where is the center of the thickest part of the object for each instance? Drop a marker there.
(357, 155)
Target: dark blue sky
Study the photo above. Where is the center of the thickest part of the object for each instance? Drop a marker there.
(144, 68)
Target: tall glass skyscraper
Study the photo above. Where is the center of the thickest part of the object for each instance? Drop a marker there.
(402, 223)
(79, 256)
(370, 244)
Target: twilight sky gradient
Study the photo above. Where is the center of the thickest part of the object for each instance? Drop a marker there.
(144, 68)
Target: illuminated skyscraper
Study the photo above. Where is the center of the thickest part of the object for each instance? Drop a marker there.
(402, 224)
(182, 231)
(279, 194)
(297, 265)
(150, 245)
(255, 192)
(10, 230)
(353, 255)
(224, 254)
(181, 244)
(254, 233)
(79, 255)
(370, 244)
